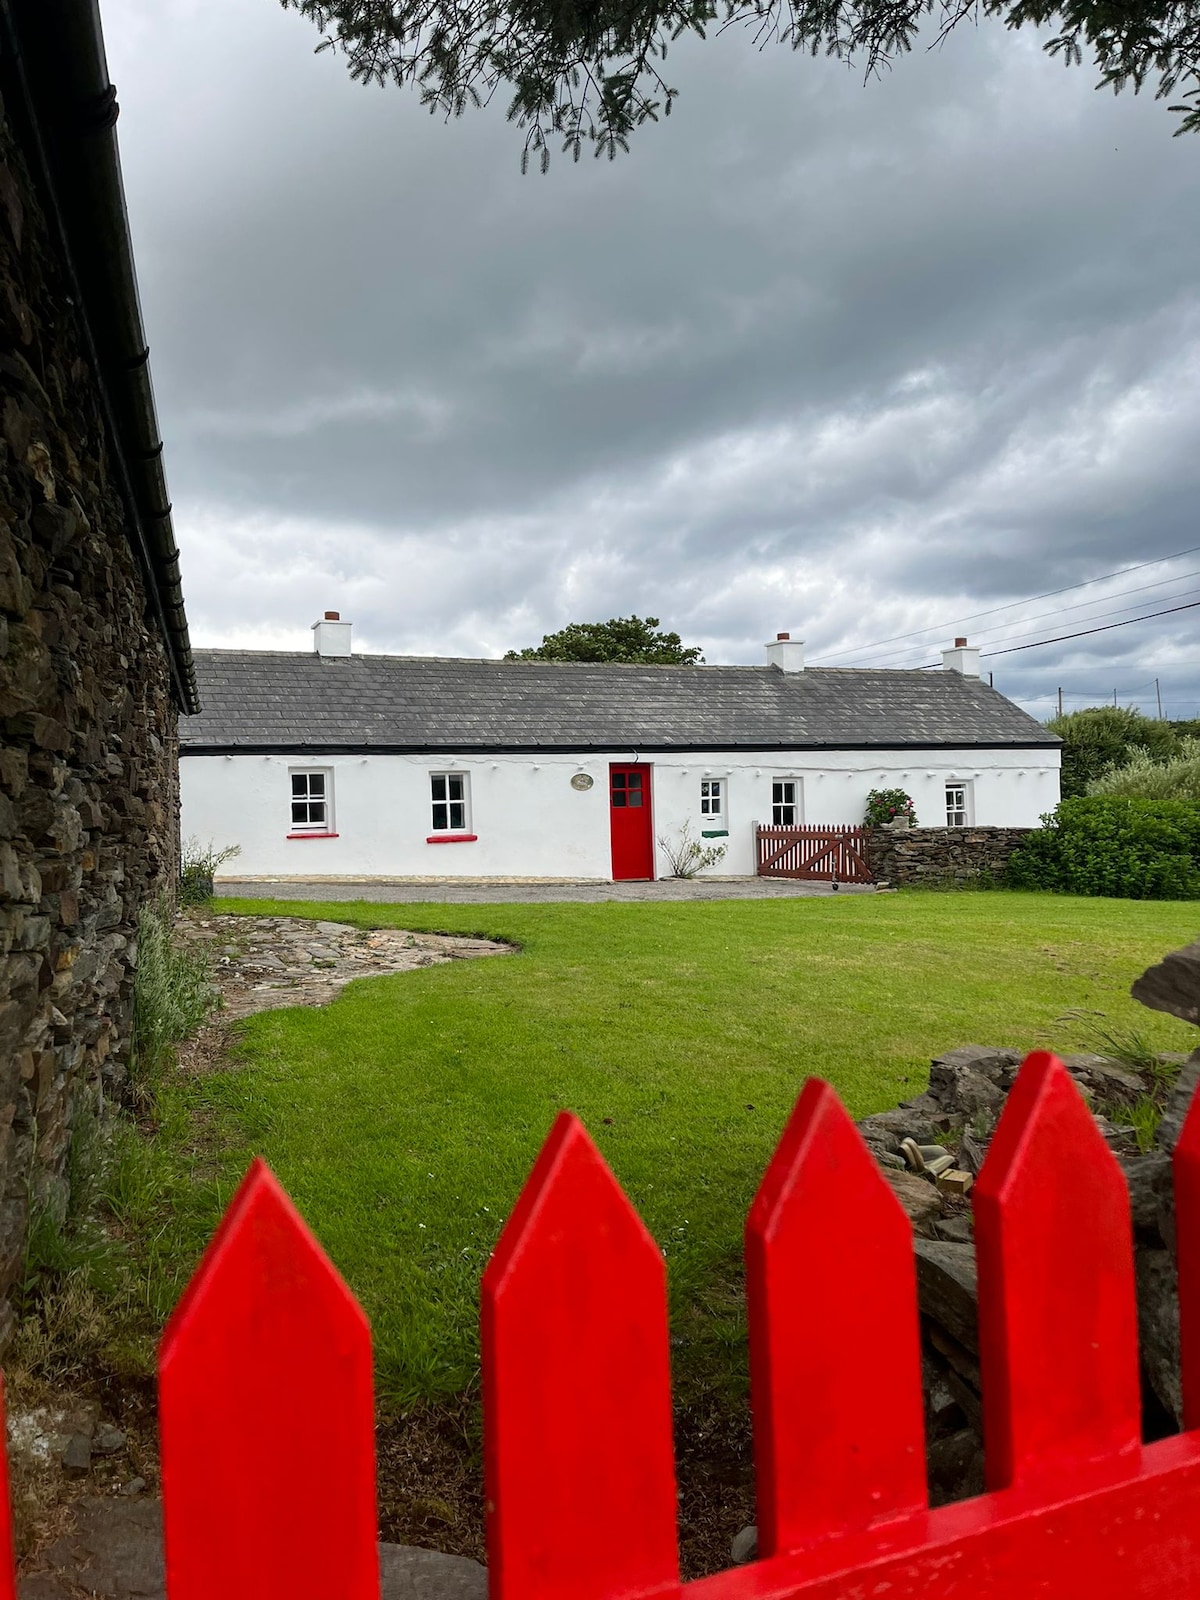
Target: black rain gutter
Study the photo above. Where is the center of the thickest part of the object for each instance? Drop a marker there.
(57, 68)
(647, 747)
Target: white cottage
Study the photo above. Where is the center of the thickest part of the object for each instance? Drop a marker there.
(337, 765)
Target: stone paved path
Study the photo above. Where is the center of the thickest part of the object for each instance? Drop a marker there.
(525, 892)
(114, 1552)
(263, 962)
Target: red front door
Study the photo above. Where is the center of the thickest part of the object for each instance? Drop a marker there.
(632, 828)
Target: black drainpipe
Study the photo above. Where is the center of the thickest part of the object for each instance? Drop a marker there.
(56, 64)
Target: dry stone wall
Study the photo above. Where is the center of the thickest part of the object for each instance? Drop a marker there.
(88, 803)
(941, 855)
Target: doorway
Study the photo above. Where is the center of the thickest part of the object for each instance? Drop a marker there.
(632, 825)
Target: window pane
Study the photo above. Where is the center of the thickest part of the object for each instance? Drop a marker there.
(635, 797)
(440, 816)
(299, 783)
(455, 785)
(299, 812)
(618, 780)
(635, 780)
(316, 784)
(438, 788)
(316, 813)
(618, 798)
(458, 815)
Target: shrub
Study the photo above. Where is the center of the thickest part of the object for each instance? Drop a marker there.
(686, 856)
(1144, 778)
(1108, 845)
(197, 867)
(1100, 737)
(172, 993)
(885, 805)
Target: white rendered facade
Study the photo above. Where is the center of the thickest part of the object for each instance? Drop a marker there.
(524, 818)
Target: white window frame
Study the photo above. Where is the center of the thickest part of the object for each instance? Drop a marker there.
(712, 801)
(306, 798)
(967, 808)
(795, 805)
(447, 799)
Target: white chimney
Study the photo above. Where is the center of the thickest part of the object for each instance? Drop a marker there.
(786, 653)
(961, 658)
(331, 636)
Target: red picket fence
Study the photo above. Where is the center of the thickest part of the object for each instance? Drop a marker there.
(266, 1414)
(823, 854)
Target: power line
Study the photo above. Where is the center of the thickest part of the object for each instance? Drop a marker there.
(1107, 628)
(1059, 611)
(1010, 606)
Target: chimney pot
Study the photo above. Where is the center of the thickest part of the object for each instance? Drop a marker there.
(336, 616)
(958, 643)
(783, 636)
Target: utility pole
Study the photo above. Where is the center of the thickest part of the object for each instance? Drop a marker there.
(1114, 699)
(1158, 697)
(1060, 702)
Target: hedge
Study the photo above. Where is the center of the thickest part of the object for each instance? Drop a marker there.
(1105, 845)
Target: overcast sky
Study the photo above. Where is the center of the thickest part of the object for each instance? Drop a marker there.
(847, 360)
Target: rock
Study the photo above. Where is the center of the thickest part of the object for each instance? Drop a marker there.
(114, 1552)
(77, 1454)
(1176, 1109)
(134, 1486)
(1158, 1327)
(954, 1466)
(989, 1062)
(947, 1288)
(920, 1200)
(1173, 985)
(888, 1128)
(744, 1547)
(1150, 1187)
(962, 1087)
(1109, 1078)
(107, 1440)
(955, 1229)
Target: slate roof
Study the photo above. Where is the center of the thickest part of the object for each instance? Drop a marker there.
(275, 701)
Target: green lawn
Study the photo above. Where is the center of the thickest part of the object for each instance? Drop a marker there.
(403, 1117)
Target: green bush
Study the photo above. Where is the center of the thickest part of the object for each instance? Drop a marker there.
(885, 805)
(1144, 778)
(1109, 845)
(197, 867)
(1100, 737)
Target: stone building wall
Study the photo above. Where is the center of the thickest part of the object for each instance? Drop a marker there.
(88, 746)
(941, 855)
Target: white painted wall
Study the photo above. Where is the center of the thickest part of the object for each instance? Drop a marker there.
(532, 824)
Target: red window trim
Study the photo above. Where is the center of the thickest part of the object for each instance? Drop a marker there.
(310, 836)
(451, 838)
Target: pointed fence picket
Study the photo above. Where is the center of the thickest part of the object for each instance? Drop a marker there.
(266, 1415)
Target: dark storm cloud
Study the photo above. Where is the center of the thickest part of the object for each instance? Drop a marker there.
(853, 360)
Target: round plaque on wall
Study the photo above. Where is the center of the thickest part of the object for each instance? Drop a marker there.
(582, 780)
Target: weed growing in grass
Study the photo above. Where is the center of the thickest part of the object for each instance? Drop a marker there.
(173, 994)
(1144, 1117)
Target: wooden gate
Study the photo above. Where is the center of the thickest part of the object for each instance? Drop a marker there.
(267, 1427)
(823, 854)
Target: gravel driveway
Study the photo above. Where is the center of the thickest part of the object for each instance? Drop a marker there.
(456, 892)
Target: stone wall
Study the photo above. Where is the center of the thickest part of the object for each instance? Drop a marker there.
(941, 855)
(88, 787)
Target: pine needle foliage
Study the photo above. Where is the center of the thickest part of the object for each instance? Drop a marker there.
(591, 71)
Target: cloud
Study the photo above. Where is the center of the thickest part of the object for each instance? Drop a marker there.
(851, 360)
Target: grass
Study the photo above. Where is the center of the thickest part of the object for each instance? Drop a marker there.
(404, 1117)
